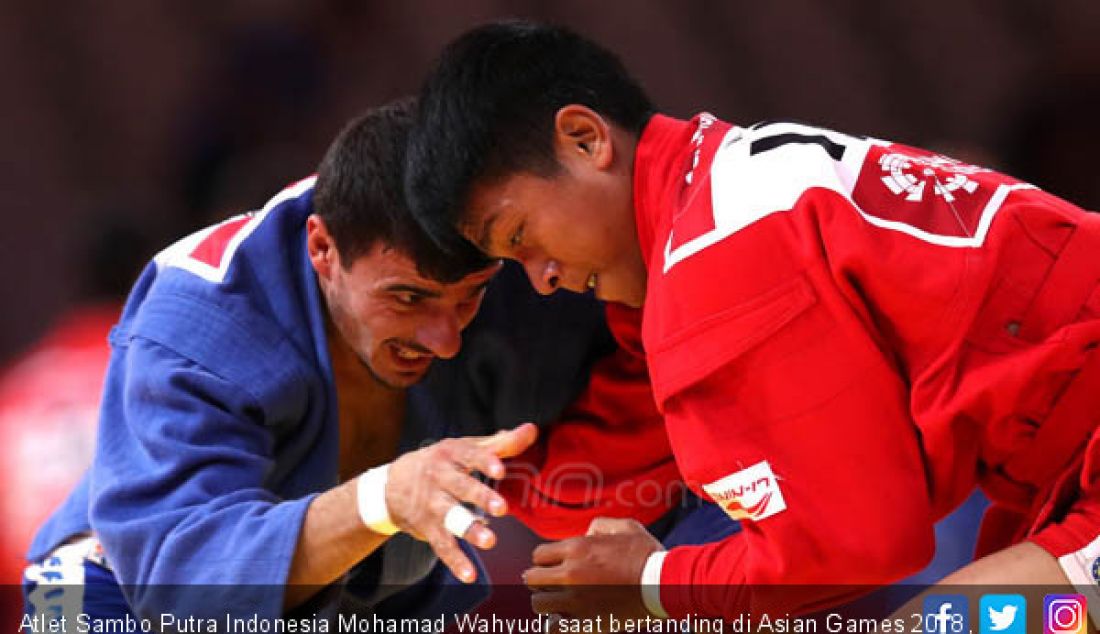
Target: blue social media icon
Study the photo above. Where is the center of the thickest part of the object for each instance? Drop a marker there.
(1002, 614)
(946, 614)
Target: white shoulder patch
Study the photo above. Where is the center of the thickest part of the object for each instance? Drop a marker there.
(757, 172)
(746, 187)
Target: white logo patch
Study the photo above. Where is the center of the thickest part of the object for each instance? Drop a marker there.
(910, 174)
(751, 493)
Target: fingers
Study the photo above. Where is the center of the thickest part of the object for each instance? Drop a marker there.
(614, 526)
(552, 602)
(553, 553)
(511, 443)
(468, 489)
(439, 518)
(481, 536)
(448, 551)
(545, 577)
(484, 454)
(425, 485)
(445, 545)
(471, 455)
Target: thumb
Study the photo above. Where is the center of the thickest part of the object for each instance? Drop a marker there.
(511, 443)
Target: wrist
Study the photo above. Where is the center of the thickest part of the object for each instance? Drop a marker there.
(651, 584)
(370, 493)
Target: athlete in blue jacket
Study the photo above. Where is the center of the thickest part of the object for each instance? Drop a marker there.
(264, 368)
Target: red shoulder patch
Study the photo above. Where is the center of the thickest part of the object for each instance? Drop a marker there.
(211, 249)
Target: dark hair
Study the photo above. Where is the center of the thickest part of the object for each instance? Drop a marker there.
(360, 197)
(487, 111)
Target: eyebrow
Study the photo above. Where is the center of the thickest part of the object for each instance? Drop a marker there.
(409, 288)
(484, 240)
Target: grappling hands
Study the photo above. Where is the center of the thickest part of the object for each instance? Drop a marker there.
(594, 575)
(424, 485)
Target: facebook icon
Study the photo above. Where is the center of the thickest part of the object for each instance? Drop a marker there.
(946, 614)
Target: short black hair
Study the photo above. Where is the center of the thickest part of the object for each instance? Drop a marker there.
(487, 111)
(359, 194)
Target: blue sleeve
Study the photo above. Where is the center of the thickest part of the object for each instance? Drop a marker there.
(178, 493)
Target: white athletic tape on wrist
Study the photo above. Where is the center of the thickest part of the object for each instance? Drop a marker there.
(651, 584)
(371, 500)
(458, 520)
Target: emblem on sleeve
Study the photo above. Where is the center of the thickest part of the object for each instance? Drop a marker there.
(751, 493)
(929, 196)
(912, 175)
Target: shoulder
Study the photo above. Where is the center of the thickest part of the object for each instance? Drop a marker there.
(217, 296)
(210, 254)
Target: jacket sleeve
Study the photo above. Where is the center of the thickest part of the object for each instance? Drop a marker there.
(607, 455)
(774, 360)
(178, 497)
(854, 506)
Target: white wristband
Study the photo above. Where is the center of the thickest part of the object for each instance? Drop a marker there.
(371, 500)
(651, 584)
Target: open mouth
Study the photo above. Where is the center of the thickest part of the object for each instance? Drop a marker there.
(405, 353)
(409, 358)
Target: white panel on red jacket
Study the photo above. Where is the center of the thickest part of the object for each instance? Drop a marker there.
(768, 168)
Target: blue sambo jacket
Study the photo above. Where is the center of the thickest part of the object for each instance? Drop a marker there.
(219, 424)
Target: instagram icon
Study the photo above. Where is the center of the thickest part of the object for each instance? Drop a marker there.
(1064, 614)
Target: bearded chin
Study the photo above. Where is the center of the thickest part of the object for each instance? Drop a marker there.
(379, 378)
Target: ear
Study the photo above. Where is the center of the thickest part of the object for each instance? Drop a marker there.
(580, 132)
(322, 248)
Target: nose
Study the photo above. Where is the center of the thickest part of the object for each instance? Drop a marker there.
(545, 275)
(442, 334)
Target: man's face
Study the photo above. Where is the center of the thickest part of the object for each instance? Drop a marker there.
(394, 319)
(573, 230)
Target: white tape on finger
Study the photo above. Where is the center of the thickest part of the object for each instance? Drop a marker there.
(458, 520)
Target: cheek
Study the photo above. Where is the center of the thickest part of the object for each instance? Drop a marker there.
(362, 324)
(580, 239)
(376, 326)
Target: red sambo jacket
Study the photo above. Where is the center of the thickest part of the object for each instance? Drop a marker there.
(845, 336)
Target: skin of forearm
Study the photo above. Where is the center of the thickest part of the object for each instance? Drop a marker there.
(332, 540)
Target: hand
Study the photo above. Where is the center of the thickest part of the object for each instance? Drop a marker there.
(424, 485)
(606, 564)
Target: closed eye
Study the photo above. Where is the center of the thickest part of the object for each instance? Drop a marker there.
(409, 299)
(409, 294)
(516, 241)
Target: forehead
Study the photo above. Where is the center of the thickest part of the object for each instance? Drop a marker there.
(383, 266)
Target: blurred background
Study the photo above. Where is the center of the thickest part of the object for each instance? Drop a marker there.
(126, 124)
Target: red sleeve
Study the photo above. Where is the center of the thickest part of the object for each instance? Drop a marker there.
(792, 289)
(608, 454)
(847, 499)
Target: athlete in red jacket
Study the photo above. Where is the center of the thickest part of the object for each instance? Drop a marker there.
(845, 335)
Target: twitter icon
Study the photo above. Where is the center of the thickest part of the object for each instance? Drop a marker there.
(1003, 614)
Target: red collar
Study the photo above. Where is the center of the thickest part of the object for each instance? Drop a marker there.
(659, 161)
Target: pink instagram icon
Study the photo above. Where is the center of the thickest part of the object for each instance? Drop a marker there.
(1065, 614)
